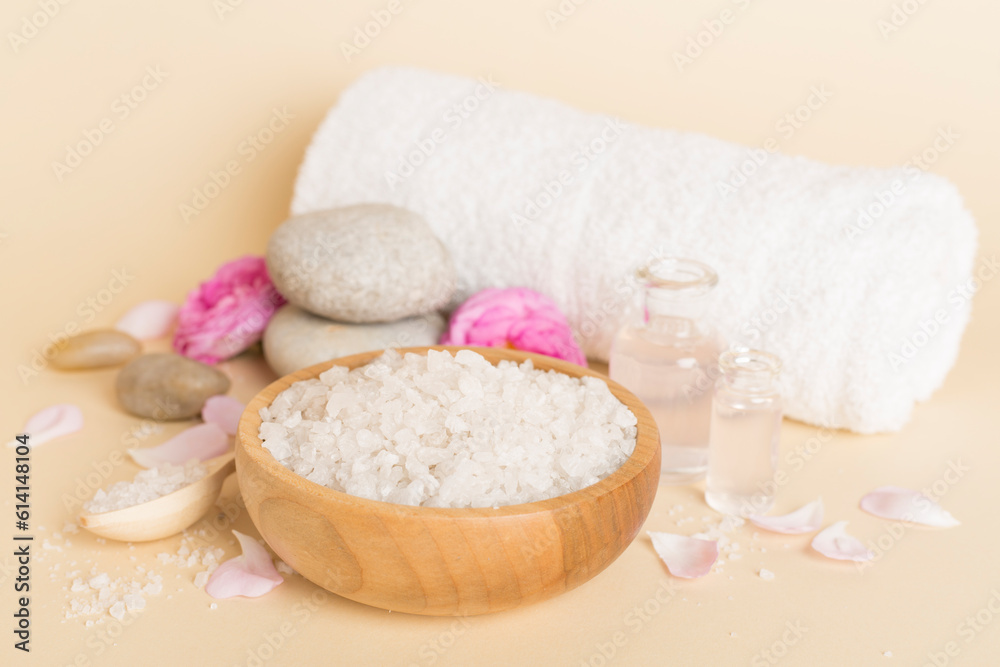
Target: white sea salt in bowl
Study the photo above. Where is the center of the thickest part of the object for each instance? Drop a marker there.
(407, 555)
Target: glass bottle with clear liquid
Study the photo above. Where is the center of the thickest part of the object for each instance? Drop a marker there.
(667, 357)
(743, 444)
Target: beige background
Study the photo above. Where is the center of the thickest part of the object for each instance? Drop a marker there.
(224, 73)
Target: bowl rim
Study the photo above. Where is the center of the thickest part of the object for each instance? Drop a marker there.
(647, 444)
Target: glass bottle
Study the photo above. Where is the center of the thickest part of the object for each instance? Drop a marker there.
(746, 423)
(665, 355)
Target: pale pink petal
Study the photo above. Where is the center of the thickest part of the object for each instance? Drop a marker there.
(687, 557)
(50, 423)
(834, 542)
(202, 442)
(224, 411)
(806, 519)
(895, 502)
(250, 575)
(149, 320)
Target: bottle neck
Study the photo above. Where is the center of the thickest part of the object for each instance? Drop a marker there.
(750, 371)
(668, 312)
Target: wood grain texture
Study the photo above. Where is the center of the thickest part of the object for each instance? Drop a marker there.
(446, 561)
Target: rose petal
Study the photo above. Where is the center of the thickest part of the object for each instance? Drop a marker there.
(149, 320)
(895, 502)
(250, 575)
(224, 411)
(50, 423)
(202, 442)
(834, 542)
(687, 557)
(806, 519)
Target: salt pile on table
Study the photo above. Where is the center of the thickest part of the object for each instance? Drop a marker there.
(148, 485)
(443, 431)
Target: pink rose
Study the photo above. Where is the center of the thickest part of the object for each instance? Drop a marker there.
(516, 317)
(228, 313)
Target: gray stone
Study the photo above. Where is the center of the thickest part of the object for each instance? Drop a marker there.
(295, 338)
(363, 263)
(96, 349)
(167, 387)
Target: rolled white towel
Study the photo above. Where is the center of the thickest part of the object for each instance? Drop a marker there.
(528, 192)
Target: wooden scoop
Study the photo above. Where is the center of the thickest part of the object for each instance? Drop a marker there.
(167, 515)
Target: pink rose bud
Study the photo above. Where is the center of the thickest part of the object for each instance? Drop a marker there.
(515, 317)
(228, 313)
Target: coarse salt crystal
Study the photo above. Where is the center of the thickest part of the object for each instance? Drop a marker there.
(767, 575)
(146, 486)
(443, 431)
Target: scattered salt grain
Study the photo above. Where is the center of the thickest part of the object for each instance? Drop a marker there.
(284, 567)
(444, 431)
(887, 654)
(213, 606)
(201, 579)
(146, 486)
(766, 575)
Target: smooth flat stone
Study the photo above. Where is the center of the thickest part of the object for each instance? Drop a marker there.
(96, 349)
(361, 264)
(168, 387)
(295, 338)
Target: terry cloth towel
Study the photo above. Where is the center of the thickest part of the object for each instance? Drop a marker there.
(856, 277)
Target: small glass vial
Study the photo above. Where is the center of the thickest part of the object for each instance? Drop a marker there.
(746, 422)
(665, 355)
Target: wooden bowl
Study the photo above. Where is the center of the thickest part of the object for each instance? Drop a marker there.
(445, 561)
